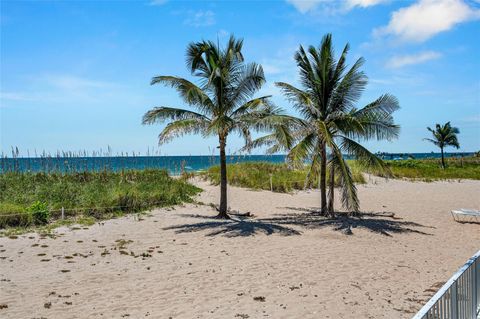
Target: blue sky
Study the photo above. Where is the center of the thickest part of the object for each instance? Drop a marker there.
(75, 74)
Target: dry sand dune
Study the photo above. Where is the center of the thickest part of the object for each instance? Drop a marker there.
(283, 263)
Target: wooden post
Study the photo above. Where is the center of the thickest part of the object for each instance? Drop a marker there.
(63, 213)
(271, 183)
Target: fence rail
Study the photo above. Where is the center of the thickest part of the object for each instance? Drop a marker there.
(459, 298)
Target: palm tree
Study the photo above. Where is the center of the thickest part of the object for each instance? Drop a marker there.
(221, 102)
(330, 124)
(443, 136)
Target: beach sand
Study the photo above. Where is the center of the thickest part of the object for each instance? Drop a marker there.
(281, 264)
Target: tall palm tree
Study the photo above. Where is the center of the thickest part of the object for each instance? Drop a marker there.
(221, 102)
(443, 136)
(330, 124)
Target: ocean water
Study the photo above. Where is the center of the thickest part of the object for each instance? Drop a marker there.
(174, 164)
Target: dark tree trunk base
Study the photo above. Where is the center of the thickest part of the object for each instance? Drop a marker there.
(222, 216)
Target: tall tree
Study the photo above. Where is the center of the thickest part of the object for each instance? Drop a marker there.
(330, 124)
(222, 102)
(443, 136)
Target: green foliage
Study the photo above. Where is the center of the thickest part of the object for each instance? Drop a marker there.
(330, 122)
(221, 103)
(256, 175)
(14, 215)
(430, 169)
(94, 194)
(444, 135)
(40, 213)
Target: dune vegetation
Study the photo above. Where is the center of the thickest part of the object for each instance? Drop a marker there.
(35, 198)
(431, 169)
(257, 175)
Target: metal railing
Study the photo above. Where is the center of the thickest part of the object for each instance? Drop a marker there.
(459, 298)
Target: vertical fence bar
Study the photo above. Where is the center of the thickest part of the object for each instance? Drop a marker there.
(474, 288)
(453, 301)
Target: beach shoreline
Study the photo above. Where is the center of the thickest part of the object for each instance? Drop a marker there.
(283, 263)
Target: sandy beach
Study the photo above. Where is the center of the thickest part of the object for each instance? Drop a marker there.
(283, 263)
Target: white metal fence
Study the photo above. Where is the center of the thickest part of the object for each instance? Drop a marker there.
(459, 298)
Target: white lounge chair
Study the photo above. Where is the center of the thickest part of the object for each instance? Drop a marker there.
(468, 214)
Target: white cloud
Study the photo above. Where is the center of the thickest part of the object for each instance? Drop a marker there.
(399, 61)
(74, 83)
(305, 5)
(426, 18)
(200, 18)
(363, 3)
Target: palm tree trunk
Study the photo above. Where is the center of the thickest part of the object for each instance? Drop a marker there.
(443, 160)
(223, 180)
(331, 191)
(323, 178)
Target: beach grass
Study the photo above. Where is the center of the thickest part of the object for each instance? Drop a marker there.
(89, 194)
(431, 170)
(257, 175)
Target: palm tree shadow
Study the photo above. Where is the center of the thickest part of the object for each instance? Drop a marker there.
(384, 223)
(235, 227)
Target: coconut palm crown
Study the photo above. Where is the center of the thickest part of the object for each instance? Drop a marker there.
(443, 136)
(330, 124)
(220, 104)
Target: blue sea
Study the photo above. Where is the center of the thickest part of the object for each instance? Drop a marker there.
(174, 164)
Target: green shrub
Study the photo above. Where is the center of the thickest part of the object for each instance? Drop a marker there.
(39, 212)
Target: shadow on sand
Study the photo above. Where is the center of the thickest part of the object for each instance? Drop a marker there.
(235, 227)
(384, 223)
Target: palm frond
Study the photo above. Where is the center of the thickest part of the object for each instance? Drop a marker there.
(349, 191)
(161, 114)
(363, 156)
(247, 80)
(301, 100)
(181, 127)
(302, 150)
(190, 93)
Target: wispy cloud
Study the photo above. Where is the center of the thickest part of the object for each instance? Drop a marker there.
(59, 88)
(304, 6)
(399, 61)
(158, 2)
(200, 18)
(14, 96)
(74, 83)
(426, 18)
(363, 3)
(472, 119)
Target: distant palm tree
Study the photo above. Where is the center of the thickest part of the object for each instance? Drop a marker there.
(222, 101)
(330, 124)
(444, 136)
